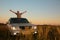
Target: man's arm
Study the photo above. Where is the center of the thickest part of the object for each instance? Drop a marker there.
(12, 11)
(24, 12)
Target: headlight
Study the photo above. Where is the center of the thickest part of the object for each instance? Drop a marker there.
(34, 27)
(13, 28)
(35, 32)
(15, 33)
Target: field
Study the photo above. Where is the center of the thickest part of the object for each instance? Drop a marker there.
(44, 32)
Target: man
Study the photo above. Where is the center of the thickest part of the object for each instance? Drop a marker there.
(18, 13)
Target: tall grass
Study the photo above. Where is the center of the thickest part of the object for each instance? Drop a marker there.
(45, 32)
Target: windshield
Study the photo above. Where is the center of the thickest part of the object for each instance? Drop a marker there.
(18, 20)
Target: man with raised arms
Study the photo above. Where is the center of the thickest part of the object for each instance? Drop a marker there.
(18, 13)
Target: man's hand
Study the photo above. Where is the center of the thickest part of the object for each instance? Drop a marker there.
(12, 11)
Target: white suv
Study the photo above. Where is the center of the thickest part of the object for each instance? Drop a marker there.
(15, 24)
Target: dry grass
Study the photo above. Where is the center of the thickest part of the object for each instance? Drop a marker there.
(43, 33)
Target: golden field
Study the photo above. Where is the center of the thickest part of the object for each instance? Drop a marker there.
(45, 32)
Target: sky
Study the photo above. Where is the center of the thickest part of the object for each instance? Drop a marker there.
(38, 11)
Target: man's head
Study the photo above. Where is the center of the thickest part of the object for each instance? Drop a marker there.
(17, 11)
